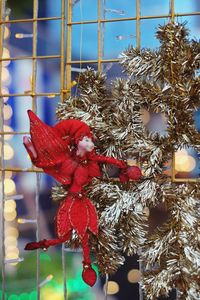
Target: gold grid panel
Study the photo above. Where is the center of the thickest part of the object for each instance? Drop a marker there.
(66, 62)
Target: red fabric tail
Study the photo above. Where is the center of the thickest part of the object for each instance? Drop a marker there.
(88, 274)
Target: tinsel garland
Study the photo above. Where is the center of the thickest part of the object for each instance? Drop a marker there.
(159, 81)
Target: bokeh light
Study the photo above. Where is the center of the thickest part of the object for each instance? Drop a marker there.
(10, 205)
(113, 287)
(134, 276)
(5, 75)
(10, 216)
(6, 33)
(8, 152)
(7, 112)
(6, 54)
(5, 91)
(7, 128)
(12, 231)
(9, 186)
(10, 240)
(184, 162)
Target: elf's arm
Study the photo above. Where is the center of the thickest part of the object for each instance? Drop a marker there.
(109, 160)
(127, 172)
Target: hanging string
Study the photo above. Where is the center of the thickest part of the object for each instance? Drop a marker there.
(81, 46)
(106, 287)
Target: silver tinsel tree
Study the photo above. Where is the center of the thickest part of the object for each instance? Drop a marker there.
(160, 81)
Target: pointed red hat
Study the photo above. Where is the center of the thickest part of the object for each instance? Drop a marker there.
(73, 130)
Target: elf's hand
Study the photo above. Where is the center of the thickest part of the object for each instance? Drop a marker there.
(131, 172)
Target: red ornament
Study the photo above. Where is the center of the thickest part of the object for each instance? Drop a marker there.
(66, 152)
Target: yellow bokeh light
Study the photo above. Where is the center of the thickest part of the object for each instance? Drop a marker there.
(113, 287)
(10, 216)
(6, 33)
(13, 250)
(181, 152)
(134, 276)
(7, 112)
(5, 74)
(5, 91)
(7, 128)
(8, 174)
(12, 255)
(9, 186)
(6, 54)
(8, 152)
(10, 241)
(9, 206)
(12, 231)
(184, 163)
(51, 293)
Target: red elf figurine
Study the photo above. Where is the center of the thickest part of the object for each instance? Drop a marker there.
(66, 152)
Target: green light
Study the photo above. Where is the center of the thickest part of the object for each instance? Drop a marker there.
(24, 296)
(13, 297)
(45, 257)
(33, 295)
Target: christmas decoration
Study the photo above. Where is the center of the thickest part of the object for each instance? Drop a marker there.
(161, 81)
(66, 152)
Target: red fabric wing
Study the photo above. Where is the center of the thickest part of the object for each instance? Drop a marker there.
(93, 222)
(79, 217)
(62, 222)
(47, 142)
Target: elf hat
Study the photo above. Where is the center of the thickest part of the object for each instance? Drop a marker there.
(73, 130)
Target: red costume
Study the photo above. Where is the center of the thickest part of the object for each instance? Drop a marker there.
(57, 156)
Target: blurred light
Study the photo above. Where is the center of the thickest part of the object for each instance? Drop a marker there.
(23, 35)
(7, 128)
(124, 37)
(113, 288)
(184, 162)
(13, 250)
(134, 276)
(5, 74)
(15, 197)
(116, 11)
(8, 174)
(14, 261)
(5, 55)
(7, 112)
(10, 216)
(51, 96)
(12, 231)
(5, 91)
(46, 280)
(8, 152)
(10, 240)
(9, 186)
(6, 33)
(9, 206)
(145, 116)
(24, 221)
(181, 152)
(12, 255)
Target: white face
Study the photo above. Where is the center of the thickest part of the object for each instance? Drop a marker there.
(86, 144)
